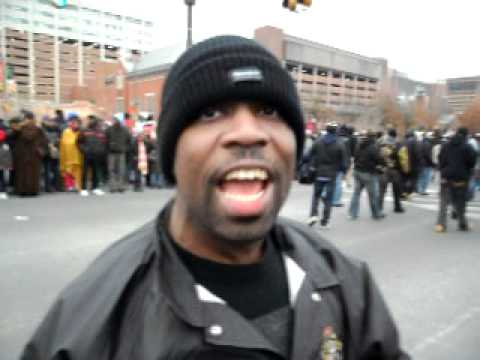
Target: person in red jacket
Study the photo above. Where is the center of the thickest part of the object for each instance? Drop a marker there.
(5, 160)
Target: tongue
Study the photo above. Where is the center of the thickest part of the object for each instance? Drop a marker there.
(242, 187)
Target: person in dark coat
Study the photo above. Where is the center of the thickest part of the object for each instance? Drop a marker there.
(328, 157)
(345, 139)
(51, 161)
(119, 142)
(92, 142)
(30, 147)
(218, 275)
(368, 163)
(60, 120)
(391, 175)
(426, 172)
(456, 163)
(5, 159)
(410, 178)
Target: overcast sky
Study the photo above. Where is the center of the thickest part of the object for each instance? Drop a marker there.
(426, 39)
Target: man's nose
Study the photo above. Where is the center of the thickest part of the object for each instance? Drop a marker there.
(245, 129)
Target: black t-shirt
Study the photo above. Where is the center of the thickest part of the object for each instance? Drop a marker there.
(253, 290)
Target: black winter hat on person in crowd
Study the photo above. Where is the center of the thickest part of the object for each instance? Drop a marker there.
(217, 70)
(392, 132)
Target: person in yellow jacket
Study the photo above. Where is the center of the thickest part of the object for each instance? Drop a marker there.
(71, 159)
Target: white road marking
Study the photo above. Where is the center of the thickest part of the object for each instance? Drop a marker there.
(21, 218)
(441, 334)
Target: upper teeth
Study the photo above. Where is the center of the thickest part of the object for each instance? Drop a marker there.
(250, 174)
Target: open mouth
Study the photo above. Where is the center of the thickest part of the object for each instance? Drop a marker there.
(243, 191)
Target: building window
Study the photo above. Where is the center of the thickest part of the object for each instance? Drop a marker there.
(119, 105)
(138, 104)
(150, 102)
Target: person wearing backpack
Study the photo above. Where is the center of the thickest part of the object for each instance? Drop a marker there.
(426, 172)
(366, 164)
(389, 146)
(327, 158)
(345, 139)
(456, 163)
(410, 163)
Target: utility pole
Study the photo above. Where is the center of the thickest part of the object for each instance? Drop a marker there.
(189, 4)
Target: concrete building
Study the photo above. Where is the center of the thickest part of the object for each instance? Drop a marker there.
(346, 82)
(325, 76)
(461, 92)
(54, 47)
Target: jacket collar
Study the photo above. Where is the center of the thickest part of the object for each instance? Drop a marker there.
(302, 245)
(300, 250)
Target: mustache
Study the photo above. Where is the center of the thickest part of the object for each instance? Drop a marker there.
(242, 152)
(248, 152)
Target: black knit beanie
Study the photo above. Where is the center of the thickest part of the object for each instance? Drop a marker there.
(220, 69)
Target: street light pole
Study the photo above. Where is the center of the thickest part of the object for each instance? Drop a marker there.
(189, 4)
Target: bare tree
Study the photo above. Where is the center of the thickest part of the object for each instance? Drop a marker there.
(471, 116)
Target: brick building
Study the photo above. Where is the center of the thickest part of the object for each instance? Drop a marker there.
(144, 84)
(53, 49)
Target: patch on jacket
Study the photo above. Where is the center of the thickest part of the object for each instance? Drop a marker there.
(332, 347)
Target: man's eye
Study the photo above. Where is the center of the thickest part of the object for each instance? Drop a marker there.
(268, 111)
(211, 114)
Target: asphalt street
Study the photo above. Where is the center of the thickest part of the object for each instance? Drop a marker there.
(429, 280)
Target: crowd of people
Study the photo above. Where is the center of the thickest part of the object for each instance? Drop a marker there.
(89, 155)
(73, 154)
(376, 159)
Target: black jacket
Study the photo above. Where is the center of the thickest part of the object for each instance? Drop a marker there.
(368, 158)
(119, 139)
(328, 156)
(414, 155)
(389, 147)
(137, 301)
(426, 147)
(347, 143)
(93, 142)
(457, 159)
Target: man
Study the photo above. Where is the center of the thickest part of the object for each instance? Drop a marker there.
(71, 159)
(426, 172)
(344, 138)
(30, 148)
(389, 150)
(476, 175)
(5, 159)
(93, 143)
(367, 162)
(118, 144)
(51, 164)
(218, 275)
(411, 164)
(456, 162)
(328, 157)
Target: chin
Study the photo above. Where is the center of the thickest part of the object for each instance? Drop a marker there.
(244, 231)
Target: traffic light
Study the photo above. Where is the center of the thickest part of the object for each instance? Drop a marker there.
(292, 4)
